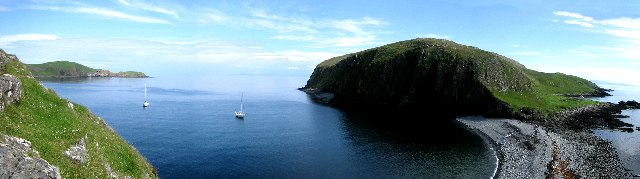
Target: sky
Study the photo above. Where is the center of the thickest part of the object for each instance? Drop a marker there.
(592, 39)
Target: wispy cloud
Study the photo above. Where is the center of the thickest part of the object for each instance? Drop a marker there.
(580, 23)
(149, 7)
(319, 33)
(573, 15)
(103, 12)
(119, 15)
(2, 8)
(626, 29)
(219, 57)
(9, 39)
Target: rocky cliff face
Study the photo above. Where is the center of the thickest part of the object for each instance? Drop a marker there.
(10, 86)
(18, 160)
(424, 74)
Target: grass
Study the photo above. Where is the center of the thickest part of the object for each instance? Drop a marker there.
(60, 68)
(130, 73)
(545, 96)
(52, 127)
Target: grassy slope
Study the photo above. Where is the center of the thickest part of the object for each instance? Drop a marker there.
(44, 119)
(545, 94)
(528, 88)
(54, 68)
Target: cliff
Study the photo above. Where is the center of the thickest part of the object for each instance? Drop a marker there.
(45, 136)
(434, 75)
(72, 69)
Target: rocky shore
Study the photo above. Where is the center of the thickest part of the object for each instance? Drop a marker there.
(559, 147)
(529, 151)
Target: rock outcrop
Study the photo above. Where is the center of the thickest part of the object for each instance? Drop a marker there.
(79, 151)
(10, 90)
(18, 160)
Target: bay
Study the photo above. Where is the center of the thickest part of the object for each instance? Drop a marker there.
(627, 144)
(189, 131)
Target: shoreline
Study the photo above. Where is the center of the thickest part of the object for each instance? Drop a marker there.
(526, 150)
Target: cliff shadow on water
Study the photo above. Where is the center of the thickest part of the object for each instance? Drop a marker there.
(433, 124)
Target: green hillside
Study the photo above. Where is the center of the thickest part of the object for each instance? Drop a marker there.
(73, 69)
(53, 125)
(60, 68)
(446, 76)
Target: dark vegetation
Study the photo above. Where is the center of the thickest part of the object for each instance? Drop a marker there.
(442, 77)
(72, 69)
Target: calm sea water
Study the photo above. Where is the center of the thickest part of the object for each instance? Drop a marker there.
(626, 143)
(189, 131)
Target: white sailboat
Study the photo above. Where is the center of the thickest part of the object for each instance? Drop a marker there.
(145, 104)
(240, 114)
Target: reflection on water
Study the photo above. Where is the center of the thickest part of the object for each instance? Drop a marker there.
(189, 131)
(627, 144)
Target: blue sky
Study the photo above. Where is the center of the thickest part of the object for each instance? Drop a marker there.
(597, 40)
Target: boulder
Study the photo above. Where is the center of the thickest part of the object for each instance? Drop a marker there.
(78, 152)
(18, 160)
(10, 90)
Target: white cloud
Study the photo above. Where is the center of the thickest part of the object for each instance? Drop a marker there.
(9, 39)
(320, 33)
(293, 68)
(437, 36)
(158, 56)
(516, 45)
(573, 15)
(119, 15)
(580, 23)
(103, 12)
(623, 22)
(148, 7)
(625, 29)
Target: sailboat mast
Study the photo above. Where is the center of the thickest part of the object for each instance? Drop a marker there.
(145, 92)
(241, 97)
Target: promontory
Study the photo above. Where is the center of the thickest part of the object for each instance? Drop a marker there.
(73, 69)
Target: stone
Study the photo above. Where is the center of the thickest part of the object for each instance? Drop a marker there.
(78, 152)
(19, 160)
(10, 90)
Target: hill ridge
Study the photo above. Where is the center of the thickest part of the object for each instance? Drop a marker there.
(74, 69)
(444, 75)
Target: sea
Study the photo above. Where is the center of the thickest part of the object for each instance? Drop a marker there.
(627, 144)
(189, 131)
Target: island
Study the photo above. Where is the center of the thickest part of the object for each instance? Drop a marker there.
(538, 123)
(73, 69)
(45, 136)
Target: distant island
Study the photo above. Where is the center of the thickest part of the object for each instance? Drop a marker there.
(422, 81)
(73, 69)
